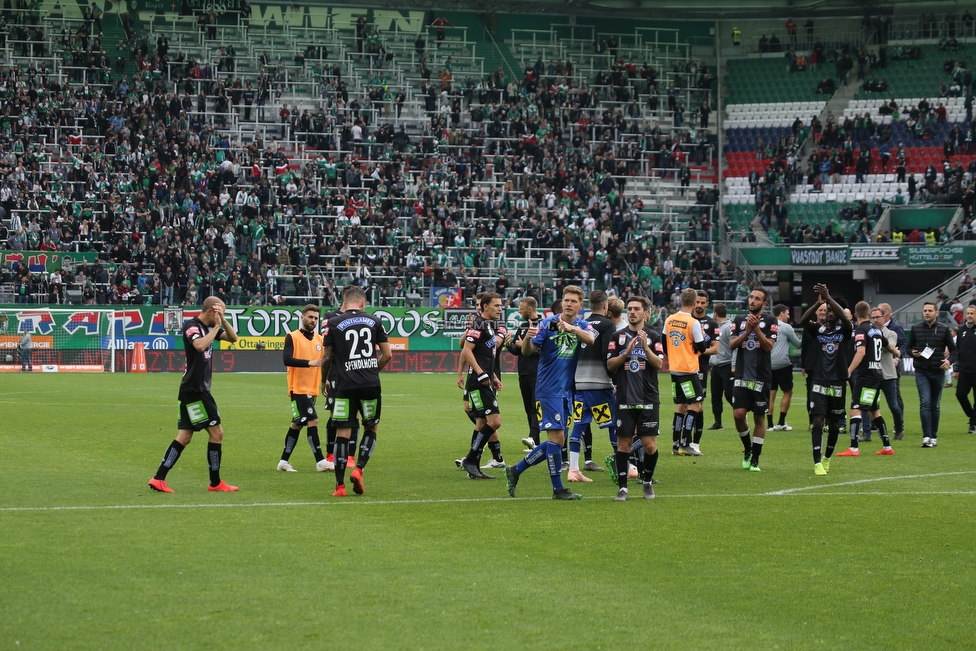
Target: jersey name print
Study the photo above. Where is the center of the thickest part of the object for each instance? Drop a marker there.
(355, 338)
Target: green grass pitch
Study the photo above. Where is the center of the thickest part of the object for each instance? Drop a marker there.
(877, 555)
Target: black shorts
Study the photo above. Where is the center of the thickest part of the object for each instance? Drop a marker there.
(827, 399)
(482, 400)
(751, 396)
(366, 402)
(197, 411)
(866, 397)
(303, 409)
(642, 421)
(686, 388)
(703, 376)
(783, 379)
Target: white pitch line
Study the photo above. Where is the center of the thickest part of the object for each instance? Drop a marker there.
(788, 491)
(463, 500)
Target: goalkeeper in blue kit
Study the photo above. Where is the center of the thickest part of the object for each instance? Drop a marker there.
(557, 338)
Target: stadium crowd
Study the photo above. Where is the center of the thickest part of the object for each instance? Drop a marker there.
(150, 175)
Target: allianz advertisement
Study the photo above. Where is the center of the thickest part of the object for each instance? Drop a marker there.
(259, 327)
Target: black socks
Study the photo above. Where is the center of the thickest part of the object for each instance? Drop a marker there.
(341, 452)
(291, 439)
(172, 453)
(366, 446)
(213, 457)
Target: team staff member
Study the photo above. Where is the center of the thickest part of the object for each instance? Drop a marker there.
(303, 360)
(594, 401)
(482, 342)
(890, 356)
(557, 338)
(351, 340)
(782, 369)
(198, 410)
(902, 346)
(634, 357)
(934, 351)
(527, 366)
(721, 365)
(964, 371)
(712, 332)
(828, 385)
(753, 337)
(684, 342)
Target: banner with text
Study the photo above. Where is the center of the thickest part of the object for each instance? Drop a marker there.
(934, 256)
(818, 256)
(873, 254)
(259, 327)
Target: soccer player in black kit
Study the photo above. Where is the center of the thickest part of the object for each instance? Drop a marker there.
(829, 374)
(634, 357)
(351, 340)
(752, 339)
(869, 343)
(330, 426)
(197, 407)
(711, 330)
(482, 343)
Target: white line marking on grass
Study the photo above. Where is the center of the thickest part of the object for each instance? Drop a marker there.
(463, 500)
(123, 507)
(790, 491)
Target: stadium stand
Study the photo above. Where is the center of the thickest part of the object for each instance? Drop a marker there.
(276, 162)
(218, 158)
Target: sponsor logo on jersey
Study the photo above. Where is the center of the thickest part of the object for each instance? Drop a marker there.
(676, 337)
(356, 320)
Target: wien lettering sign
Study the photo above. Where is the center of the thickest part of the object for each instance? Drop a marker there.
(818, 256)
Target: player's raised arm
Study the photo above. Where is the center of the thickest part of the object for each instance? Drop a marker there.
(810, 316)
(585, 334)
(842, 317)
(616, 362)
(654, 357)
(528, 348)
(227, 332)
